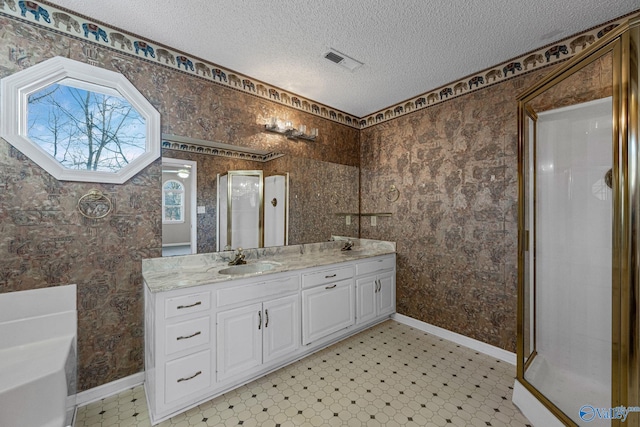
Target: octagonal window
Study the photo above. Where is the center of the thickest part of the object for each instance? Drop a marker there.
(79, 122)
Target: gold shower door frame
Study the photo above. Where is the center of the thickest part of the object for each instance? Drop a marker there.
(259, 175)
(622, 43)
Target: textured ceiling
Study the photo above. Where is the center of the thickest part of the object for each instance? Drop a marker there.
(408, 47)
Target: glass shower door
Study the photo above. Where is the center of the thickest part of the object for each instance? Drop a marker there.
(240, 209)
(567, 170)
(573, 251)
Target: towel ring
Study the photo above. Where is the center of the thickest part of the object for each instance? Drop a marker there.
(94, 205)
(393, 193)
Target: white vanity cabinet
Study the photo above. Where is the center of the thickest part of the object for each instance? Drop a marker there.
(252, 335)
(202, 341)
(375, 288)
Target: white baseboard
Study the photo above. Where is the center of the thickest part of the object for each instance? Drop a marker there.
(482, 347)
(109, 389)
(532, 408)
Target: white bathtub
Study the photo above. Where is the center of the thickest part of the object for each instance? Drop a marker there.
(38, 357)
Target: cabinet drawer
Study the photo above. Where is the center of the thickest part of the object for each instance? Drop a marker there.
(186, 335)
(257, 291)
(374, 266)
(187, 375)
(186, 304)
(327, 276)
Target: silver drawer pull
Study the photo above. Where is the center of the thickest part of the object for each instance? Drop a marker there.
(190, 378)
(329, 277)
(331, 287)
(188, 336)
(190, 305)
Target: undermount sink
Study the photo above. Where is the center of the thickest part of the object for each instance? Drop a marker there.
(258, 267)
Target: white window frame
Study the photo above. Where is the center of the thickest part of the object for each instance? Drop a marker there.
(182, 191)
(14, 99)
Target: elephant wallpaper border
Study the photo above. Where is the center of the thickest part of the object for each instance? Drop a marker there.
(75, 25)
(89, 30)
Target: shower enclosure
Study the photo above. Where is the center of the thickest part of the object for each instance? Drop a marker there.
(579, 223)
(240, 209)
(253, 212)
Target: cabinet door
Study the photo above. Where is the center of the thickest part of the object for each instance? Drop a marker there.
(239, 340)
(281, 333)
(327, 309)
(386, 293)
(365, 299)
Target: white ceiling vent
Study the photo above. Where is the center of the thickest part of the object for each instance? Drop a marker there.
(342, 60)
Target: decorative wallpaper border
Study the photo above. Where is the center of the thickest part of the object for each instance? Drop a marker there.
(49, 16)
(543, 57)
(222, 152)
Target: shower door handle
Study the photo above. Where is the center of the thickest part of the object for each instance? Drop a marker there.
(608, 178)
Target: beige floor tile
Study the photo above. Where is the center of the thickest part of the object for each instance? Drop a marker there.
(390, 375)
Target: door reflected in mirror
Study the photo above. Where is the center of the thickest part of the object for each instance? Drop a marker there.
(179, 223)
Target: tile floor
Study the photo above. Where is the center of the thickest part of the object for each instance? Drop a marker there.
(389, 375)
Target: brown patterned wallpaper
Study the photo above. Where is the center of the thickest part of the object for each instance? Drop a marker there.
(454, 163)
(319, 190)
(455, 222)
(44, 241)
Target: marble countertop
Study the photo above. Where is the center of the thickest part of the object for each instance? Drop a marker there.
(165, 274)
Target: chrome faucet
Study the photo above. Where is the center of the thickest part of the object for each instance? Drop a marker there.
(239, 259)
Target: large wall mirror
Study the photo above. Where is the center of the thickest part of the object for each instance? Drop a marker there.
(318, 191)
(79, 122)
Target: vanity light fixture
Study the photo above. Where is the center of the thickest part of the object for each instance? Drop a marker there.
(289, 131)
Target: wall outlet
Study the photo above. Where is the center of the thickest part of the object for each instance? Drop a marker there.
(348, 219)
(201, 209)
(374, 221)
